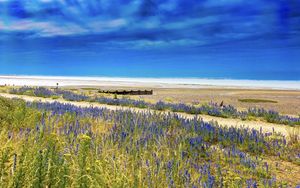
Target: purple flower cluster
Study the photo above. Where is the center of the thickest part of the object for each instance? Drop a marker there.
(71, 96)
(155, 125)
(273, 116)
(197, 142)
(213, 109)
(36, 91)
(43, 92)
(122, 102)
(164, 149)
(21, 90)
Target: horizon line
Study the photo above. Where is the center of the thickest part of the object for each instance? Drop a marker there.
(148, 82)
(137, 77)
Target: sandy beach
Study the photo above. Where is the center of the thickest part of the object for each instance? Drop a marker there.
(285, 94)
(148, 82)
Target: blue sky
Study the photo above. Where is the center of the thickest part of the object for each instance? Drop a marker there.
(257, 39)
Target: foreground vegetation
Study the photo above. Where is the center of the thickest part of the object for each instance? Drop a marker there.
(61, 145)
(213, 109)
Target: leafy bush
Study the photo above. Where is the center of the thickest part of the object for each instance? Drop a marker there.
(15, 115)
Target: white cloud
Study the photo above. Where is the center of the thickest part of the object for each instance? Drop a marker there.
(102, 26)
(213, 3)
(44, 28)
(52, 28)
(149, 44)
(191, 22)
(1, 25)
(165, 43)
(46, 1)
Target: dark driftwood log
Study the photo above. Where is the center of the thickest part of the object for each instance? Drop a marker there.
(128, 92)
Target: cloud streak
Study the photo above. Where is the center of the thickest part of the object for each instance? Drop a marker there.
(150, 23)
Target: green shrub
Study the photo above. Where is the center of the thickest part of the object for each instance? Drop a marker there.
(15, 115)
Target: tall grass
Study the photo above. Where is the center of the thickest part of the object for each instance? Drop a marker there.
(68, 146)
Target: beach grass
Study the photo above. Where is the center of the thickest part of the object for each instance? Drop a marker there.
(212, 109)
(93, 147)
(4, 89)
(89, 89)
(257, 101)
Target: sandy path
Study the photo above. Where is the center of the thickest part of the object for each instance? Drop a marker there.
(266, 127)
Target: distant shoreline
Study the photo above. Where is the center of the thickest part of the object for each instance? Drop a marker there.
(148, 82)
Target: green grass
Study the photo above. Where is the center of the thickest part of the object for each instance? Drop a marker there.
(15, 115)
(89, 89)
(257, 101)
(55, 97)
(4, 89)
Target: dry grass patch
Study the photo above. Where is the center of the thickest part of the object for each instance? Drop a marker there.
(257, 101)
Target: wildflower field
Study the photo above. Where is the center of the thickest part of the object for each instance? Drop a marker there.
(61, 145)
(212, 109)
